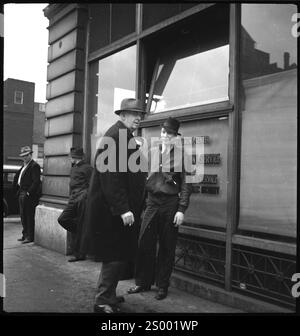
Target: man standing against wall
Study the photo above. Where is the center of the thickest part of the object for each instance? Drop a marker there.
(114, 204)
(72, 218)
(168, 198)
(27, 183)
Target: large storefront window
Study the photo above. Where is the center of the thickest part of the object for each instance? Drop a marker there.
(111, 80)
(192, 68)
(191, 79)
(269, 119)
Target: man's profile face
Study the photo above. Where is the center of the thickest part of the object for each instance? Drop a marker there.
(26, 158)
(132, 119)
(165, 136)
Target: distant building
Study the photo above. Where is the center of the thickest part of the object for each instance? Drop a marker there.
(23, 121)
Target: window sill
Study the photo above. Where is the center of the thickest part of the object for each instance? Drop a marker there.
(188, 114)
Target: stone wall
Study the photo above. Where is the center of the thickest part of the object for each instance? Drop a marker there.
(48, 233)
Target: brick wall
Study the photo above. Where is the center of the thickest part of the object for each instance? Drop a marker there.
(17, 119)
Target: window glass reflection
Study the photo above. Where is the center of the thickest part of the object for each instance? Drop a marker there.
(268, 45)
(191, 79)
(110, 80)
(268, 191)
(116, 81)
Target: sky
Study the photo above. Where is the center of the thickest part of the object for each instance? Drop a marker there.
(26, 45)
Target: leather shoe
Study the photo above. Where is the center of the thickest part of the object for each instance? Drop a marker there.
(105, 309)
(138, 289)
(161, 294)
(26, 241)
(76, 258)
(21, 239)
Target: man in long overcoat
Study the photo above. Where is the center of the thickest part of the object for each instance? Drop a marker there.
(114, 203)
(27, 184)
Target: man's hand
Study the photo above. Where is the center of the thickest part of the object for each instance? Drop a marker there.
(128, 218)
(178, 218)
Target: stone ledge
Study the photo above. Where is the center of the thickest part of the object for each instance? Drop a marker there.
(216, 294)
(48, 233)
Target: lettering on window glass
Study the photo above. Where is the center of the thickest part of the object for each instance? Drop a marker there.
(208, 184)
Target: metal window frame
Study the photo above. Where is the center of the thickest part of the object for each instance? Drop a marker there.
(139, 34)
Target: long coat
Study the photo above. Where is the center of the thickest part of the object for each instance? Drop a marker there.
(110, 195)
(72, 218)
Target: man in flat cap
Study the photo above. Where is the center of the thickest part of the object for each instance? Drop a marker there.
(114, 204)
(72, 218)
(27, 183)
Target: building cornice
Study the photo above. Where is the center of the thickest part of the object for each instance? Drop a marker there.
(51, 10)
(56, 12)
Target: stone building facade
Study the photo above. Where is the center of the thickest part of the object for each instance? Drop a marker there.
(231, 81)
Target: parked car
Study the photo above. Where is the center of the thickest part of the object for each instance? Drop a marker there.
(10, 200)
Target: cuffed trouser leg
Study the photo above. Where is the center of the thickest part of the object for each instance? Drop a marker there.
(78, 248)
(108, 281)
(21, 200)
(27, 211)
(146, 256)
(167, 234)
(157, 225)
(30, 211)
(166, 255)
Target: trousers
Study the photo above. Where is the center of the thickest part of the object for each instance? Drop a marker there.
(110, 274)
(157, 242)
(27, 211)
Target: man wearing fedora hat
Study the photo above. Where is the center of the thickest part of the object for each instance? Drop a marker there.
(27, 183)
(168, 198)
(72, 217)
(114, 206)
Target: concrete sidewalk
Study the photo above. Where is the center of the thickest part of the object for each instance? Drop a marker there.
(40, 280)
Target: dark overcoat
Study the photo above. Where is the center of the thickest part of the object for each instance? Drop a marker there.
(111, 194)
(72, 218)
(79, 178)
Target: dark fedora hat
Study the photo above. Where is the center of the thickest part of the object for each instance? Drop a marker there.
(171, 125)
(131, 104)
(76, 153)
(25, 151)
